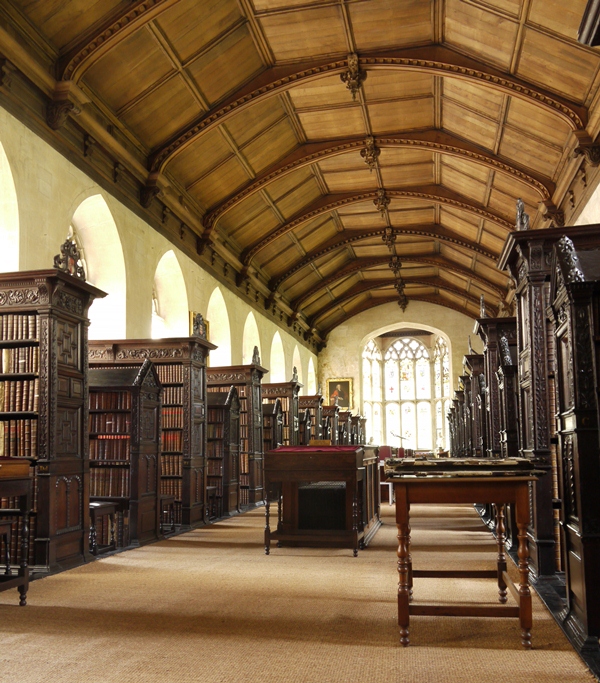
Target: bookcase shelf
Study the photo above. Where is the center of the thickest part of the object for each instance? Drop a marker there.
(132, 478)
(223, 450)
(287, 393)
(314, 405)
(247, 379)
(272, 425)
(180, 363)
(43, 336)
(330, 423)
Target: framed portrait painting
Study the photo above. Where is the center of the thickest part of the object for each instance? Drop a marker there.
(340, 388)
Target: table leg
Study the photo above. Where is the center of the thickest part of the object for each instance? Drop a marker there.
(267, 527)
(404, 568)
(500, 540)
(525, 612)
(24, 568)
(355, 524)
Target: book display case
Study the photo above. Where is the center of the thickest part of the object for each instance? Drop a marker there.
(43, 399)
(344, 427)
(314, 404)
(287, 393)
(223, 449)
(124, 429)
(247, 379)
(329, 429)
(181, 367)
(272, 425)
(304, 427)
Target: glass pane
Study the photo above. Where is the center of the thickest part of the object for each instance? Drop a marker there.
(368, 414)
(392, 424)
(446, 430)
(407, 379)
(376, 371)
(423, 379)
(439, 425)
(392, 389)
(424, 425)
(377, 424)
(367, 379)
(446, 376)
(438, 378)
(409, 425)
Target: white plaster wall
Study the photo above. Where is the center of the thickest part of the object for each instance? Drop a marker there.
(342, 355)
(49, 189)
(591, 211)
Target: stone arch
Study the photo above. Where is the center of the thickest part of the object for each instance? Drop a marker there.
(311, 378)
(219, 329)
(96, 233)
(250, 339)
(170, 313)
(277, 360)
(9, 217)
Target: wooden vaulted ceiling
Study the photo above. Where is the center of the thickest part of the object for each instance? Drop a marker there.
(241, 110)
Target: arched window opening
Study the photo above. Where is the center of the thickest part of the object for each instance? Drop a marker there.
(219, 329)
(9, 217)
(95, 233)
(311, 378)
(277, 366)
(170, 316)
(416, 389)
(250, 339)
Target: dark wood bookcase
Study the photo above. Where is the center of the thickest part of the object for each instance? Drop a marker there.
(272, 425)
(287, 393)
(124, 429)
(329, 429)
(575, 317)
(344, 427)
(181, 367)
(314, 404)
(247, 379)
(304, 427)
(475, 366)
(43, 384)
(223, 449)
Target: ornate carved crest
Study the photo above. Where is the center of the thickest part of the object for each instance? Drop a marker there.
(570, 260)
(256, 356)
(522, 222)
(382, 201)
(198, 326)
(69, 259)
(395, 265)
(354, 76)
(294, 374)
(505, 351)
(389, 237)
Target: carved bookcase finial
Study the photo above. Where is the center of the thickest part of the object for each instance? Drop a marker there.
(354, 76)
(294, 374)
(198, 326)
(69, 259)
(522, 222)
(482, 313)
(570, 260)
(256, 356)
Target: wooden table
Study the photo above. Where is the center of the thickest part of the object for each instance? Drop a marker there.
(291, 470)
(16, 483)
(437, 489)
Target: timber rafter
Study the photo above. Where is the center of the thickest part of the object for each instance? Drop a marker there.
(349, 237)
(364, 264)
(371, 285)
(432, 141)
(435, 194)
(436, 60)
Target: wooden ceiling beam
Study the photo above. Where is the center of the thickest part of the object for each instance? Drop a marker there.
(362, 264)
(369, 286)
(373, 303)
(72, 65)
(433, 231)
(435, 194)
(431, 140)
(432, 59)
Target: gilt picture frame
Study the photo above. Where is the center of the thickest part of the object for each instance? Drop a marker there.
(342, 389)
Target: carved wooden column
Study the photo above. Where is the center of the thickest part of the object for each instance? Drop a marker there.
(575, 313)
(467, 415)
(508, 385)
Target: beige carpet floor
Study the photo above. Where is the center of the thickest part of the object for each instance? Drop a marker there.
(208, 606)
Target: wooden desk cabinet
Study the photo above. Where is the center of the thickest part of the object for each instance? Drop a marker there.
(326, 496)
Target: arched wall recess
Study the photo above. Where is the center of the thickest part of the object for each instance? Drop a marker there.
(9, 217)
(250, 339)
(277, 364)
(219, 329)
(311, 379)
(96, 232)
(170, 314)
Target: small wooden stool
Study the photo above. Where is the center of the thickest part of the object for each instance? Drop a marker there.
(100, 509)
(167, 505)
